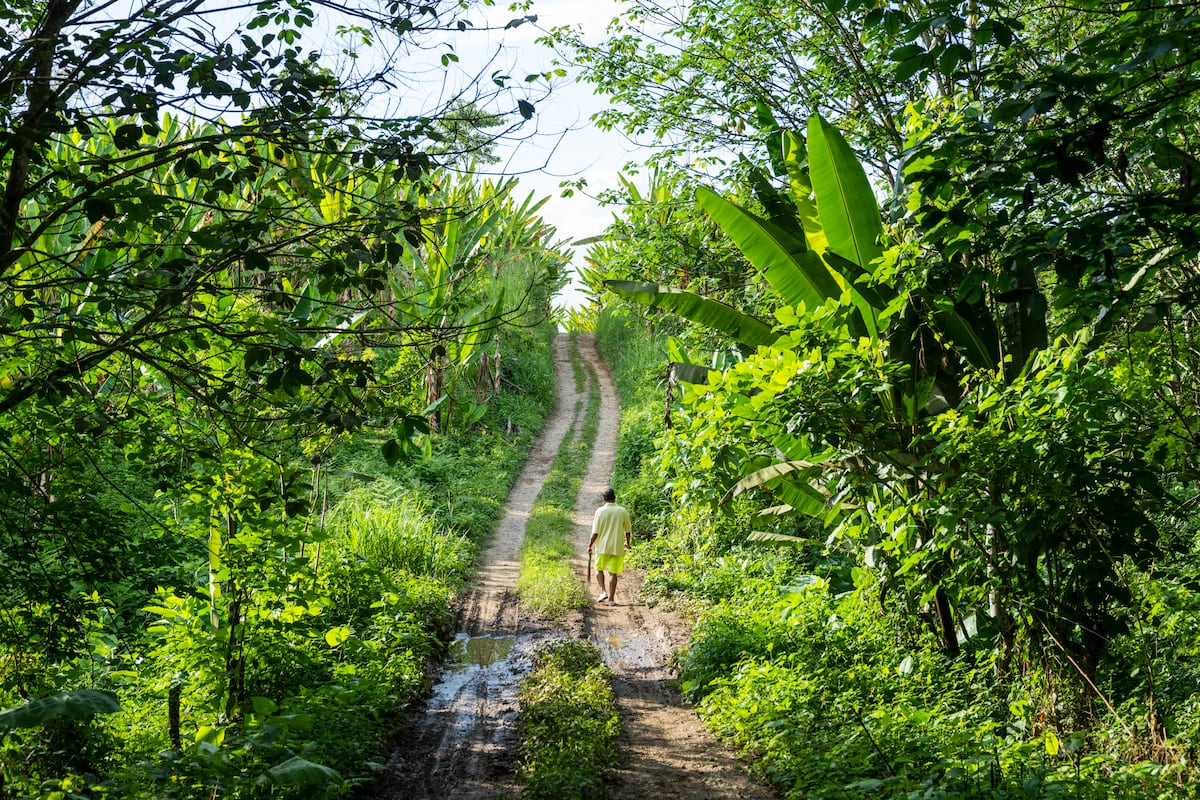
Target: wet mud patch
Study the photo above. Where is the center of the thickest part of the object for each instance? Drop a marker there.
(479, 651)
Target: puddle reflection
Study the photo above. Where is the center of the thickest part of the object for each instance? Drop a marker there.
(480, 651)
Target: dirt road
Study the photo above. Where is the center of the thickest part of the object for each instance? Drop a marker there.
(463, 743)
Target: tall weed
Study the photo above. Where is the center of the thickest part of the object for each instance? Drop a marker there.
(395, 532)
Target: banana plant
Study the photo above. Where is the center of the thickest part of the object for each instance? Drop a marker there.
(816, 247)
(452, 277)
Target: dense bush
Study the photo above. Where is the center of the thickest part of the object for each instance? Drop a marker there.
(826, 699)
(569, 723)
(274, 659)
(809, 657)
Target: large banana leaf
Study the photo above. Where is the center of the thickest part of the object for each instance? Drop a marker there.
(78, 704)
(780, 208)
(710, 313)
(690, 373)
(767, 474)
(800, 497)
(796, 161)
(847, 206)
(974, 335)
(797, 274)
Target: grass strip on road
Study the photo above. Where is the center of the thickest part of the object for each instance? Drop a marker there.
(569, 723)
(546, 582)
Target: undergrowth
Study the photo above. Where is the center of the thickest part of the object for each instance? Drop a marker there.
(569, 723)
(328, 621)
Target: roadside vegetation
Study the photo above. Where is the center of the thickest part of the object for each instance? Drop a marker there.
(922, 453)
(267, 372)
(336, 624)
(801, 659)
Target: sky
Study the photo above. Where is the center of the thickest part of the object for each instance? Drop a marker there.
(564, 145)
(558, 144)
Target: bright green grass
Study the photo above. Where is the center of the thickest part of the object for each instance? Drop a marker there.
(394, 531)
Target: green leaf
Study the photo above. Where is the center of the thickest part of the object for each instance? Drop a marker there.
(848, 209)
(798, 274)
(764, 119)
(98, 208)
(796, 161)
(393, 451)
(710, 313)
(690, 373)
(337, 636)
(800, 497)
(79, 704)
(803, 498)
(765, 475)
(525, 108)
(767, 536)
(779, 207)
(263, 706)
(869, 298)
(976, 340)
(298, 771)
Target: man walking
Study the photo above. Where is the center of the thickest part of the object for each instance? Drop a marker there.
(610, 539)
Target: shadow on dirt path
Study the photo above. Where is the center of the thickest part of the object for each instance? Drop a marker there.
(462, 743)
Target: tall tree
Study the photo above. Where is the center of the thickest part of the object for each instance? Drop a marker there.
(201, 210)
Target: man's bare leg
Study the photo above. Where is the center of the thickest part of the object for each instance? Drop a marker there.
(612, 587)
(600, 581)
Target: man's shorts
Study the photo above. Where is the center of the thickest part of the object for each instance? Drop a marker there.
(613, 565)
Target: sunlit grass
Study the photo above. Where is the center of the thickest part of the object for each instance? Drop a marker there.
(394, 531)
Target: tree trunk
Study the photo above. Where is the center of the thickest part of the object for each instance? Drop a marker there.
(946, 622)
(173, 697)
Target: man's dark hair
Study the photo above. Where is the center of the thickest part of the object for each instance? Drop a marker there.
(610, 496)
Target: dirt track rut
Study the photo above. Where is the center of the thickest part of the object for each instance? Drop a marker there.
(462, 744)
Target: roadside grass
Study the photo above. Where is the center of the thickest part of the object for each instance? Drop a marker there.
(569, 723)
(546, 582)
(396, 531)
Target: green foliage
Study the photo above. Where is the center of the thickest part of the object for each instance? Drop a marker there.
(636, 359)
(825, 699)
(662, 237)
(220, 499)
(569, 723)
(322, 633)
(393, 531)
(827, 671)
(634, 356)
(80, 704)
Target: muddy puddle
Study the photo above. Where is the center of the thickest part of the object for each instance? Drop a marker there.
(468, 730)
(479, 651)
(620, 647)
(478, 666)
